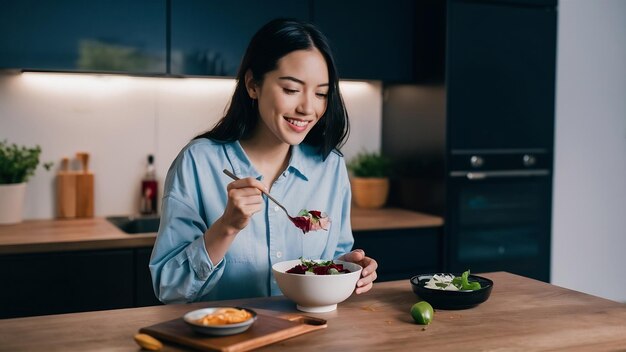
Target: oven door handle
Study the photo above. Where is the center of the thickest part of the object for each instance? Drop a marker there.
(472, 175)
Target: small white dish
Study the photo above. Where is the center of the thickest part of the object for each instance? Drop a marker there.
(192, 317)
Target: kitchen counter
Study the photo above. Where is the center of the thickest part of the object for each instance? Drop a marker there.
(391, 219)
(522, 314)
(37, 236)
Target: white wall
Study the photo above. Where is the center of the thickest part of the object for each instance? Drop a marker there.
(119, 120)
(589, 210)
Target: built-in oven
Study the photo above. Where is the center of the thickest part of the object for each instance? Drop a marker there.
(499, 211)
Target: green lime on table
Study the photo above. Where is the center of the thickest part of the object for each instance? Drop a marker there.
(422, 312)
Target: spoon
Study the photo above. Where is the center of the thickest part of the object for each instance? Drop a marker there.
(293, 219)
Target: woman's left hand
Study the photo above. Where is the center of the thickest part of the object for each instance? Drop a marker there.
(368, 274)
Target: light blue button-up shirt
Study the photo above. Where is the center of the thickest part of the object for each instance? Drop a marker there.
(195, 197)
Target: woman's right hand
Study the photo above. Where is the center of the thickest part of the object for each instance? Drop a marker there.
(244, 200)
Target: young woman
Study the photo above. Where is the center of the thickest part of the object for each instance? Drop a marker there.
(218, 239)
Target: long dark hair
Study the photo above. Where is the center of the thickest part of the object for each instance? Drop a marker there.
(274, 40)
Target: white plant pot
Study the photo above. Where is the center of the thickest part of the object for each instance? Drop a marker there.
(12, 203)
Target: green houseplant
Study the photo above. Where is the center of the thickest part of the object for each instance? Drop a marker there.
(370, 179)
(17, 165)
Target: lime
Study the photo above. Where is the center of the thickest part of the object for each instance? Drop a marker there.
(422, 312)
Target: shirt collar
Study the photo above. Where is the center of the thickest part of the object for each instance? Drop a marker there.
(239, 162)
(299, 162)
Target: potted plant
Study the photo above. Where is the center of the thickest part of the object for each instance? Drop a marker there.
(370, 179)
(17, 165)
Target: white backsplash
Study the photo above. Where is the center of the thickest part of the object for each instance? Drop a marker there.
(589, 194)
(119, 120)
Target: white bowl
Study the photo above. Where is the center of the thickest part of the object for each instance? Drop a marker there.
(316, 293)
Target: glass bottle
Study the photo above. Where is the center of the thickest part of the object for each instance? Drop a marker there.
(149, 189)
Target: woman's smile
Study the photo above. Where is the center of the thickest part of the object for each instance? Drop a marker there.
(297, 125)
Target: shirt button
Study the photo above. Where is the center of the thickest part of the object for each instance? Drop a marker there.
(279, 254)
(276, 208)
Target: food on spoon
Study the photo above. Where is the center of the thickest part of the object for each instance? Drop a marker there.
(449, 282)
(310, 267)
(224, 316)
(422, 312)
(311, 220)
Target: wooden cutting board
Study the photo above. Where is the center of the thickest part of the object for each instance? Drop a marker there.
(66, 191)
(266, 330)
(84, 188)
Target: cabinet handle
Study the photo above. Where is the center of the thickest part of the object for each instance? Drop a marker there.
(476, 175)
(499, 174)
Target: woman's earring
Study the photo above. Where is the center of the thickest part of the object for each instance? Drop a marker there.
(253, 103)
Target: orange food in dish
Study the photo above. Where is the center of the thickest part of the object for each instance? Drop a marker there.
(225, 316)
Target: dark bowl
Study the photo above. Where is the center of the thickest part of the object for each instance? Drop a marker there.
(452, 299)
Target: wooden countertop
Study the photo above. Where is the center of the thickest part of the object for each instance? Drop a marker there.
(391, 218)
(67, 235)
(35, 236)
(521, 315)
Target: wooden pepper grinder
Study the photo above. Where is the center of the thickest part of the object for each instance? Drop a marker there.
(66, 191)
(84, 188)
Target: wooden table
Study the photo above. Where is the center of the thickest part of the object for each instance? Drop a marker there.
(521, 315)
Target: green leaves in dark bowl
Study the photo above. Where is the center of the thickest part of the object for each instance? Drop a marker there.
(442, 299)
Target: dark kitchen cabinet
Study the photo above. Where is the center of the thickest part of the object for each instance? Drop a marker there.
(144, 294)
(393, 41)
(483, 140)
(500, 75)
(64, 282)
(90, 36)
(80, 281)
(209, 38)
(500, 82)
(398, 40)
(402, 253)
